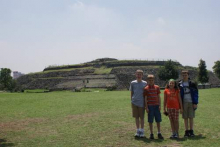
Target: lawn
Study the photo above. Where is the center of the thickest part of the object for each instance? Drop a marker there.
(94, 119)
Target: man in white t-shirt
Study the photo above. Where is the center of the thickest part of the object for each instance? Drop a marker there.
(137, 102)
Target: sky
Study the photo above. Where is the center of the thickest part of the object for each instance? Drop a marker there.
(35, 34)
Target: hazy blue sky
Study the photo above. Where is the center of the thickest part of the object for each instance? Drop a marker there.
(37, 33)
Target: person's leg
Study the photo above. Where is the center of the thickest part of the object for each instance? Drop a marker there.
(186, 123)
(151, 131)
(172, 126)
(191, 116)
(151, 118)
(137, 122)
(158, 120)
(191, 122)
(176, 124)
(157, 117)
(186, 127)
(142, 128)
(171, 120)
(158, 127)
(142, 123)
(185, 117)
(151, 127)
(141, 114)
(191, 133)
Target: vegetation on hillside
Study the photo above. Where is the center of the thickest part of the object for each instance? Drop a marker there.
(6, 81)
(216, 68)
(203, 73)
(168, 71)
(109, 63)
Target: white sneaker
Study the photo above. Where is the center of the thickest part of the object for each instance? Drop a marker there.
(137, 134)
(142, 134)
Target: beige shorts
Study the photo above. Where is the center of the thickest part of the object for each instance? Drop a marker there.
(137, 112)
(188, 111)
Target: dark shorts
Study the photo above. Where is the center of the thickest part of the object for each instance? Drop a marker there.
(154, 112)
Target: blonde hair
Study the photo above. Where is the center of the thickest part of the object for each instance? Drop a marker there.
(140, 71)
(150, 77)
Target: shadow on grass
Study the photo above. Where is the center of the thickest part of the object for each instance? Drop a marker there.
(196, 137)
(4, 143)
(147, 140)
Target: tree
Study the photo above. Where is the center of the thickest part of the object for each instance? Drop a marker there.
(203, 73)
(13, 86)
(216, 68)
(168, 71)
(5, 78)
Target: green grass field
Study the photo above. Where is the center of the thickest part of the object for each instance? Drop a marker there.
(94, 119)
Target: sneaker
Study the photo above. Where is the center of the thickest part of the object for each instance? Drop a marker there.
(186, 133)
(191, 134)
(172, 136)
(151, 136)
(142, 134)
(137, 134)
(176, 135)
(159, 136)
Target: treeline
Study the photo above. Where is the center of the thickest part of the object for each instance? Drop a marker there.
(169, 70)
(7, 83)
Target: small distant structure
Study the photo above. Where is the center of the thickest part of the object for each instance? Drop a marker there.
(17, 74)
(204, 86)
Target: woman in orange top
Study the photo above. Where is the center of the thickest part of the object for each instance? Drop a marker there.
(172, 105)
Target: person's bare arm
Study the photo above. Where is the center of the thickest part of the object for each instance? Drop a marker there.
(165, 103)
(159, 101)
(181, 104)
(146, 106)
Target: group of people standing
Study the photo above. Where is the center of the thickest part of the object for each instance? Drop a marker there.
(179, 97)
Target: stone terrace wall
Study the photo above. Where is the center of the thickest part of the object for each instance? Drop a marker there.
(66, 80)
(125, 75)
(119, 76)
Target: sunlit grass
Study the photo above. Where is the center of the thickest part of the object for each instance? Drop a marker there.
(94, 119)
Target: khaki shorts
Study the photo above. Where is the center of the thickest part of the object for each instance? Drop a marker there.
(188, 111)
(137, 112)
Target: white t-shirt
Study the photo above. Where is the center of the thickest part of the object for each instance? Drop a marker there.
(138, 89)
(187, 94)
